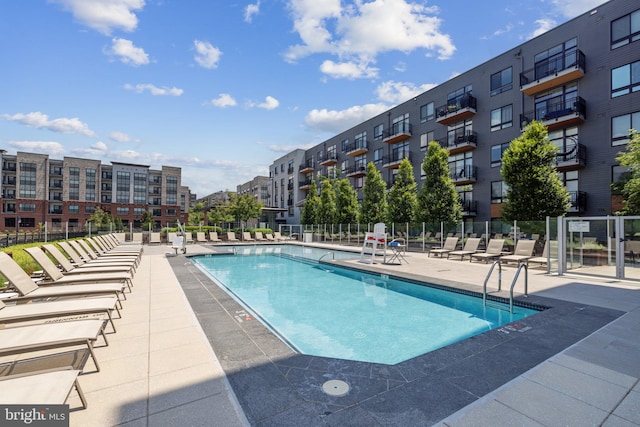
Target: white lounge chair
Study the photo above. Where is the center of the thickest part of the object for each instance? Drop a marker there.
(449, 246)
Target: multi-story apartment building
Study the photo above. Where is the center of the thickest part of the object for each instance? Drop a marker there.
(258, 187)
(38, 190)
(581, 79)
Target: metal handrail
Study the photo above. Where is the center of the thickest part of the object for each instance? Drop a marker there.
(526, 285)
(484, 287)
(333, 256)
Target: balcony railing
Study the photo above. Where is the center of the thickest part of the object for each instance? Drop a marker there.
(462, 143)
(557, 114)
(398, 132)
(456, 109)
(575, 157)
(9, 168)
(578, 201)
(553, 72)
(356, 171)
(465, 175)
(329, 158)
(307, 167)
(305, 185)
(469, 207)
(393, 161)
(358, 147)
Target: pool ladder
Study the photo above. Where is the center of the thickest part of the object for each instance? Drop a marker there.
(513, 284)
(333, 256)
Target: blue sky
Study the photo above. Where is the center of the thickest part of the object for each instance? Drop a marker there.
(223, 88)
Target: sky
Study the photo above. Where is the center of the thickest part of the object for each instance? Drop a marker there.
(222, 88)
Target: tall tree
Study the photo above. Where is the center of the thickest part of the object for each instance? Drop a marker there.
(219, 213)
(244, 207)
(311, 208)
(346, 203)
(374, 197)
(146, 220)
(196, 214)
(631, 190)
(535, 190)
(438, 200)
(402, 200)
(328, 213)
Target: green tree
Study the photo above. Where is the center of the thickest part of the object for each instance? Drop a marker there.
(99, 218)
(196, 214)
(346, 203)
(145, 220)
(403, 198)
(374, 200)
(244, 207)
(328, 212)
(219, 213)
(631, 189)
(438, 200)
(535, 190)
(311, 208)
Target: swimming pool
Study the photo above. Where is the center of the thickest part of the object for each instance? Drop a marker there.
(322, 310)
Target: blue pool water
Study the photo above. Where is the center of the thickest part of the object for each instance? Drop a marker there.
(335, 312)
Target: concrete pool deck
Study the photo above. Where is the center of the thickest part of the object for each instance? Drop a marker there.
(186, 353)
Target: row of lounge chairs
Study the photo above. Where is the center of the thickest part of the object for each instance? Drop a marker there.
(523, 253)
(230, 236)
(68, 304)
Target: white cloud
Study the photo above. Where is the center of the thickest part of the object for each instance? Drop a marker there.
(48, 147)
(349, 70)
(337, 121)
(397, 92)
(207, 55)
(105, 15)
(127, 52)
(120, 137)
(154, 90)
(223, 100)
(63, 125)
(99, 149)
(360, 31)
(250, 10)
(290, 148)
(573, 8)
(542, 26)
(270, 103)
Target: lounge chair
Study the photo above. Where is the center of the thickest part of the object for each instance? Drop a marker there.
(88, 255)
(269, 237)
(231, 237)
(136, 238)
(246, 237)
(279, 237)
(542, 259)
(449, 246)
(470, 248)
(46, 388)
(24, 339)
(259, 237)
(213, 237)
(29, 290)
(68, 268)
(103, 246)
(68, 309)
(523, 252)
(154, 237)
(201, 237)
(493, 251)
(55, 276)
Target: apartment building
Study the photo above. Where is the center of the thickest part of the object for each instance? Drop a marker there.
(37, 190)
(258, 187)
(581, 79)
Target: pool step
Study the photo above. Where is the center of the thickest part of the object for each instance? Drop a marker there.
(497, 305)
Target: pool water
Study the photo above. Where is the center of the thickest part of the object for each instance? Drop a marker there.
(328, 311)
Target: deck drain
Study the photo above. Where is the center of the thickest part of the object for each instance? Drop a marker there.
(335, 388)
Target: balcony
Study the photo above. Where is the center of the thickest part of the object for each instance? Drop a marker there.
(356, 171)
(574, 158)
(307, 167)
(553, 72)
(462, 143)
(393, 162)
(398, 132)
(305, 185)
(9, 167)
(328, 159)
(578, 201)
(290, 186)
(357, 148)
(289, 170)
(456, 110)
(469, 208)
(55, 198)
(464, 176)
(55, 210)
(557, 115)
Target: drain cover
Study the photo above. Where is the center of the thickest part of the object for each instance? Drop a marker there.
(335, 388)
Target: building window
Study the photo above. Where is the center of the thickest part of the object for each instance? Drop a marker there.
(89, 209)
(425, 139)
(502, 118)
(171, 212)
(378, 132)
(625, 79)
(138, 211)
(502, 81)
(625, 30)
(345, 145)
(122, 211)
(557, 102)
(460, 165)
(496, 153)
(28, 180)
(90, 192)
(620, 173)
(172, 189)
(74, 183)
(358, 182)
(427, 112)
(74, 209)
(378, 155)
(140, 188)
(620, 126)
(459, 132)
(498, 192)
(27, 207)
(556, 59)
(123, 184)
(565, 139)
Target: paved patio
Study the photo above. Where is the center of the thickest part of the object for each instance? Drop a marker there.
(184, 355)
